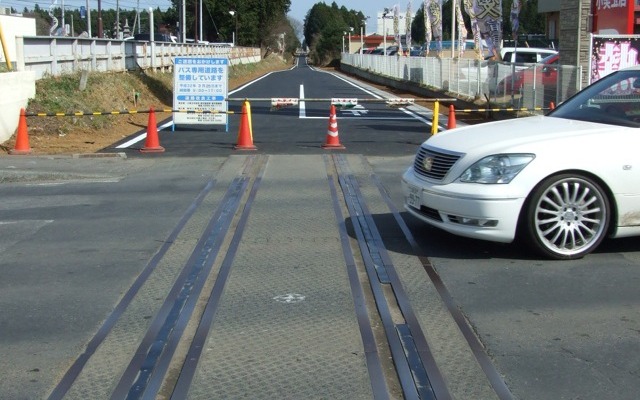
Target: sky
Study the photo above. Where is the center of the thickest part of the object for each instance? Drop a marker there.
(299, 8)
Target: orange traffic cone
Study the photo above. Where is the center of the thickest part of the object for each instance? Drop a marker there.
(22, 138)
(151, 143)
(451, 123)
(552, 105)
(245, 138)
(332, 141)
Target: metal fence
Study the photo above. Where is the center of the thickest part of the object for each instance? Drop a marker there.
(506, 84)
(53, 55)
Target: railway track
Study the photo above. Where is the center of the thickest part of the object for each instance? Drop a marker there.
(277, 282)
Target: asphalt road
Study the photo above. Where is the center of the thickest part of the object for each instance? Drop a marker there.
(77, 232)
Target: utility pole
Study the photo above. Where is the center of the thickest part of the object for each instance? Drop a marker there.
(100, 33)
(183, 23)
(201, 37)
(64, 27)
(117, 19)
(88, 19)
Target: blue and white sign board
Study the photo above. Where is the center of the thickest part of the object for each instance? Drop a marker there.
(200, 84)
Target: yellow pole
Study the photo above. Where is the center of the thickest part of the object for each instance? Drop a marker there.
(4, 49)
(434, 121)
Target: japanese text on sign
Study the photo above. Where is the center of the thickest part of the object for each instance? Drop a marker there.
(200, 84)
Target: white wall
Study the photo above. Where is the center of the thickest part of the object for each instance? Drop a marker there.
(22, 86)
(13, 26)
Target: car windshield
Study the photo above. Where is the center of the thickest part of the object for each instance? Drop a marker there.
(613, 100)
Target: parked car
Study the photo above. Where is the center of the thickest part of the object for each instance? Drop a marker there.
(416, 51)
(525, 54)
(392, 50)
(561, 183)
(547, 75)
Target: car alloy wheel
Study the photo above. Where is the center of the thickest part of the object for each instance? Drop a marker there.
(567, 216)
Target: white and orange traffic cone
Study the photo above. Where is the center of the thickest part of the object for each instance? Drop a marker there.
(332, 141)
(22, 138)
(152, 143)
(245, 136)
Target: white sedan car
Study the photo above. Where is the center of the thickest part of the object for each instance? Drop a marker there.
(561, 182)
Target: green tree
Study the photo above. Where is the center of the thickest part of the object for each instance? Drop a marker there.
(324, 27)
(256, 21)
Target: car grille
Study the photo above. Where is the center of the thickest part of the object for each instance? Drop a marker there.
(430, 213)
(440, 165)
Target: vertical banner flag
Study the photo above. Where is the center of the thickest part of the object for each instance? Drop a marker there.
(408, 26)
(477, 43)
(396, 28)
(462, 30)
(433, 8)
(489, 14)
(428, 35)
(515, 18)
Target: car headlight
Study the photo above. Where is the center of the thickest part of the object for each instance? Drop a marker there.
(498, 168)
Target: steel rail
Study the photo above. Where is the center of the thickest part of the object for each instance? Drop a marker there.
(432, 385)
(194, 353)
(372, 357)
(495, 379)
(167, 327)
(74, 371)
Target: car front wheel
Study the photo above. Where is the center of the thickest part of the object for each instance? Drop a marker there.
(567, 216)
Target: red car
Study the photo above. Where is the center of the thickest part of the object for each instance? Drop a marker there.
(547, 75)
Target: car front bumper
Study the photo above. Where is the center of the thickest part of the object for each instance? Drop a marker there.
(477, 211)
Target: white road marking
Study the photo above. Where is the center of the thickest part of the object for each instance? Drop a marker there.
(289, 298)
(356, 111)
(301, 103)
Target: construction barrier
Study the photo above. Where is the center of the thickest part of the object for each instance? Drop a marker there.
(451, 121)
(152, 142)
(332, 141)
(245, 138)
(123, 112)
(245, 131)
(22, 138)
(468, 110)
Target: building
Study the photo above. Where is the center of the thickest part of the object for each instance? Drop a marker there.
(12, 26)
(616, 17)
(385, 23)
(572, 22)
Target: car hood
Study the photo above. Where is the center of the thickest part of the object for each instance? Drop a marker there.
(511, 135)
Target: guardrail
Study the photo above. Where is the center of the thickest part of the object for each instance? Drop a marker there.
(54, 55)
